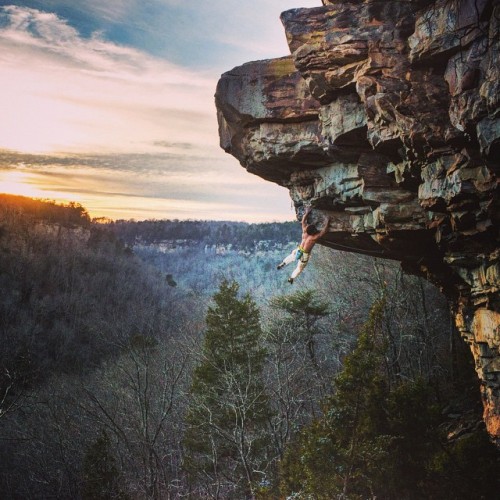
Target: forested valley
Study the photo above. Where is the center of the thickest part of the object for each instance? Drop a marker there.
(171, 359)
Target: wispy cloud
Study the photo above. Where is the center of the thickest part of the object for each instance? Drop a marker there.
(146, 185)
(62, 91)
(115, 10)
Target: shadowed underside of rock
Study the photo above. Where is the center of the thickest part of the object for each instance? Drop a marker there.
(386, 118)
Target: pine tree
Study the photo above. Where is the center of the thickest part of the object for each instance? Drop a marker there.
(304, 310)
(381, 439)
(340, 454)
(100, 474)
(225, 440)
(298, 370)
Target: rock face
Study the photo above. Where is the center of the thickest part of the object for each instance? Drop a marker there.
(386, 117)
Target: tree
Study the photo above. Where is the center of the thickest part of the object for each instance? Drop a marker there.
(381, 437)
(137, 399)
(227, 450)
(339, 454)
(100, 475)
(298, 368)
(304, 310)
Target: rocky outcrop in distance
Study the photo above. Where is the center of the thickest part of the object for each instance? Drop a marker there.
(386, 118)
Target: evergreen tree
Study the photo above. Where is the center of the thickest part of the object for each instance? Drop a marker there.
(340, 454)
(226, 441)
(298, 368)
(381, 439)
(100, 475)
(304, 310)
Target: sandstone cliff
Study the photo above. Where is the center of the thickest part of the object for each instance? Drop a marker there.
(386, 117)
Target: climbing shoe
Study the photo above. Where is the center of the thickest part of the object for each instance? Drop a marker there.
(290, 280)
(280, 266)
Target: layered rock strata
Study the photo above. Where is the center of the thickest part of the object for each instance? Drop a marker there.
(386, 118)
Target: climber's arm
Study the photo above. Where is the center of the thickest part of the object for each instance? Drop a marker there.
(304, 217)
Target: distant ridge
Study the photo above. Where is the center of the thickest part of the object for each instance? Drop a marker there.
(71, 214)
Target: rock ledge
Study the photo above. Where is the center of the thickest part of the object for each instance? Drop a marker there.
(386, 117)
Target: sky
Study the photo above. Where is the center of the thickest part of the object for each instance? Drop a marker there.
(110, 104)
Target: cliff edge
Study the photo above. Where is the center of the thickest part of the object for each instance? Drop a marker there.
(386, 117)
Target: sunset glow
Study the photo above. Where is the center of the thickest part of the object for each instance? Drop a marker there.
(25, 184)
(17, 183)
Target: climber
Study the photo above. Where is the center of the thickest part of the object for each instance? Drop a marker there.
(310, 235)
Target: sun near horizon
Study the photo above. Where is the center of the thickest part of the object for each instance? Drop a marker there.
(23, 184)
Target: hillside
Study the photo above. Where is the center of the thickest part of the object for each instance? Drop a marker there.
(237, 235)
(105, 360)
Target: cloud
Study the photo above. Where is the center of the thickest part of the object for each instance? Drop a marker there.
(30, 32)
(185, 146)
(112, 11)
(215, 35)
(62, 91)
(146, 185)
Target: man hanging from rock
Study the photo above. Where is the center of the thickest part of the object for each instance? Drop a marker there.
(310, 235)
